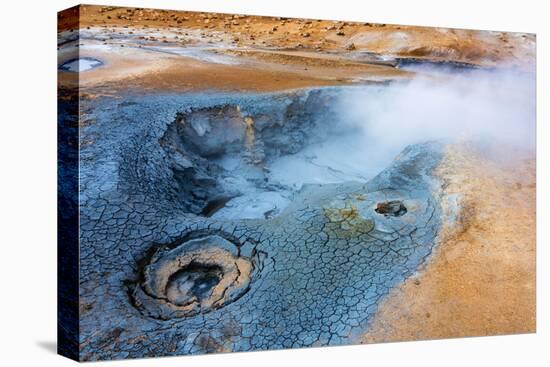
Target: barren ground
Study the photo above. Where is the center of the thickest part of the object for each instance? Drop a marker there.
(481, 279)
(266, 53)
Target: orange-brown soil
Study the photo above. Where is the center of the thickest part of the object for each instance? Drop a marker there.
(147, 70)
(272, 53)
(481, 279)
(254, 31)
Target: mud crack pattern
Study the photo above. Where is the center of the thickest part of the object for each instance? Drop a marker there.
(157, 280)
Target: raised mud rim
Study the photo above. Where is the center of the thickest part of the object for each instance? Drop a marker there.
(202, 272)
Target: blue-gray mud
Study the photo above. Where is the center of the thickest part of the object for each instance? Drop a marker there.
(157, 277)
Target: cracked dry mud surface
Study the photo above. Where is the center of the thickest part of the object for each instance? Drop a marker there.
(157, 279)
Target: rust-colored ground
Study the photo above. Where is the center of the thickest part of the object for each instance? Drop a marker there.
(146, 70)
(469, 46)
(481, 279)
(273, 53)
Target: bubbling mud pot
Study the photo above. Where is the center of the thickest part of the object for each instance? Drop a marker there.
(218, 222)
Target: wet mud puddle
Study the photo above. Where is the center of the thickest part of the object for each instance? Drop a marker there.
(80, 64)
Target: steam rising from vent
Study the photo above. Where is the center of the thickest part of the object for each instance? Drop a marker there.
(247, 160)
(484, 106)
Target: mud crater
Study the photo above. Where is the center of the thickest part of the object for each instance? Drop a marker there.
(194, 282)
(200, 274)
(392, 208)
(233, 162)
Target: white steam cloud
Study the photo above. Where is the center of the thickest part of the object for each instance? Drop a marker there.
(495, 109)
(486, 106)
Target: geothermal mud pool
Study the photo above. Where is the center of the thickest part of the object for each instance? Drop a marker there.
(181, 210)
